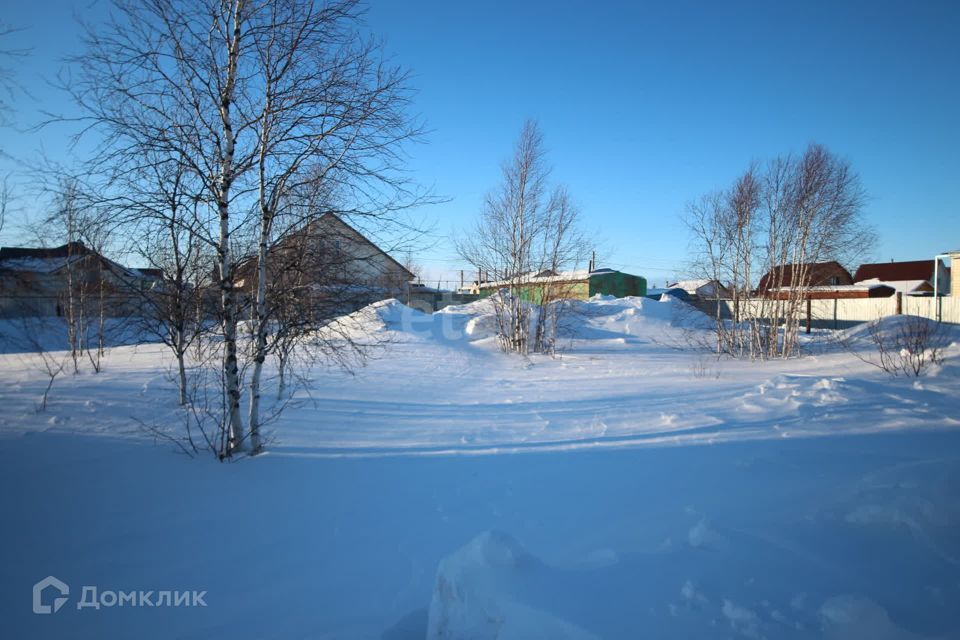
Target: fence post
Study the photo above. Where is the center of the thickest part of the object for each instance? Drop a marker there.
(809, 314)
(835, 327)
(899, 303)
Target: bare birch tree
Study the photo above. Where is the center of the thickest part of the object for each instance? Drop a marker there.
(160, 205)
(561, 244)
(780, 220)
(165, 76)
(521, 232)
(332, 117)
(65, 222)
(9, 86)
(5, 199)
(256, 101)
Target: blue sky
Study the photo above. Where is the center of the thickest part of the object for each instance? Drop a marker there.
(645, 106)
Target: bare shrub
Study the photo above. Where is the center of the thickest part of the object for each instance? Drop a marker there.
(780, 218)
(32, 336)
(903, 345)
(523, 240)
(224, 114)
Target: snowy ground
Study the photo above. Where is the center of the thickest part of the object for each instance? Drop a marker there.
(629, 488)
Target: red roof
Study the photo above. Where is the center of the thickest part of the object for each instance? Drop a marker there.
(818, 274)
(895, 271)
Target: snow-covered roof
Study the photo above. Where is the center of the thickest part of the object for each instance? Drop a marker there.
(690, 285)
(563, 276)
(903, 286)
(146, 272)
(37, 265)
(840, 288)
(50, 260)
(702, 286)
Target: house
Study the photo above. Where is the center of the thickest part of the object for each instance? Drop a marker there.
(817, 274)
(39, 281)
(913, 277)
(150, 275)
(578, 285)
(705, 289)
(658, 293)
(430, 299)
(954, 281)
(329, 259)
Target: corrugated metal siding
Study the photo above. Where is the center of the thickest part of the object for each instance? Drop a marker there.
(842, 313)
(620, 285)
(534, 293)
(611, 283)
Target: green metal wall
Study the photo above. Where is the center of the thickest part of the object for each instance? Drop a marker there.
(612, 283)
(617, 284)
(534, 293)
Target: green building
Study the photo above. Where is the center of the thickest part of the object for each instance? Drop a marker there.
(578, 285)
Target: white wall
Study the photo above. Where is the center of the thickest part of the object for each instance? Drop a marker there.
(845, 312)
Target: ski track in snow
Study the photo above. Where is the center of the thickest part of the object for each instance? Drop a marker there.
(646, 488)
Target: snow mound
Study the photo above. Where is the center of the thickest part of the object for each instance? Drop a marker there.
(601, 318)
(392, 313)
(369, 321)
(632, 318)
(477, 307)
(481, 327)
(476, 596)
(789, 393)
(890, 328)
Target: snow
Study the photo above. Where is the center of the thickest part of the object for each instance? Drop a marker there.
(866, 285)
(476, 597)
(39, 265)
(563, 276)
(903, 286)
(693, 286)
(631, 487)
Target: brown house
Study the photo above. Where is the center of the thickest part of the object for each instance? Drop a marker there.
(914, 277)
(818, 274)
(328, 258)
(36, 281)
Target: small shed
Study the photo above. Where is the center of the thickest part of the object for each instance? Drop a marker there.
(616, 283)
(704, 289)
(658, 293)
(577, 285)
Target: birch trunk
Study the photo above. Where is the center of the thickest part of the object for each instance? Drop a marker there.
(231, 376)
(180, 349)
(260, 334)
